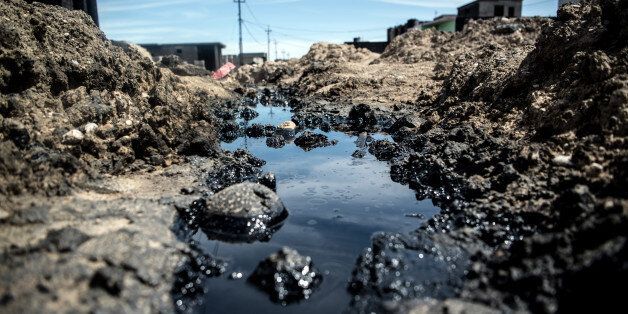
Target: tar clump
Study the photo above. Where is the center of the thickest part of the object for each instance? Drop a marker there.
(244, 212)
(308, 141)
(287, 276)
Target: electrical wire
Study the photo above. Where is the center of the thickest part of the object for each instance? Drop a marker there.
(251, 34)
(318, 31)
(252, 14)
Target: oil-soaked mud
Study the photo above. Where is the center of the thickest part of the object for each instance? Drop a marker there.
(336, 203)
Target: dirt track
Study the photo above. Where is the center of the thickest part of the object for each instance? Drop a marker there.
(515, 128)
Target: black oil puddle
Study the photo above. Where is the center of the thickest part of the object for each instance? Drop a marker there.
(336, 202)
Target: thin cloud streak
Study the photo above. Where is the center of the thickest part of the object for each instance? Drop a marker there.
(427, 3)
(133, 6)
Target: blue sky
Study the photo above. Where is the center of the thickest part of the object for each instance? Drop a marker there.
(295, 24)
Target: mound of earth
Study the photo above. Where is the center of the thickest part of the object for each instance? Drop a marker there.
(521, 139)
(58, 73)
(89, 131)
(180, 67)
(412, 67)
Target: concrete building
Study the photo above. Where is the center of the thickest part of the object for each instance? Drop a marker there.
(486, 9)
(445, 23)
(247, 58)
(404, 28)
(207, 54)
(89, 6)
(374, 46)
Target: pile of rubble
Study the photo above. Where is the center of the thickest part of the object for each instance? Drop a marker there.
(74, 104)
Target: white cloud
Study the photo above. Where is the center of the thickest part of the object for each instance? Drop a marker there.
(428, 3)
(120, 6)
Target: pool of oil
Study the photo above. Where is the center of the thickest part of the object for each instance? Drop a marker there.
(336, 203)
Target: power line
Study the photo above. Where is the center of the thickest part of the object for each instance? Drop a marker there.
(252, 14)
(251, 34)
(318, 31)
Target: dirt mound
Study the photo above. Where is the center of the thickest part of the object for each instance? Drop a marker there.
(72, 103)
(415, 46)
(320, 54)
(182, 68)
(581, 69)
(516, 36)
(412, 67)
(333, 53)
(522, 140)
(269, 72)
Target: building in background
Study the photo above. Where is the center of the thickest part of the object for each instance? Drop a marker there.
(247, 58)
(373, 46)
(445, 23)
(208, 55)
(486, 9)
(89, 6)
(404, 28)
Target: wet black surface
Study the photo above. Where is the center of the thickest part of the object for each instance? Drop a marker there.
(336, 202)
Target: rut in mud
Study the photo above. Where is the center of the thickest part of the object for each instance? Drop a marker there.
(515, 129)
(339, 196)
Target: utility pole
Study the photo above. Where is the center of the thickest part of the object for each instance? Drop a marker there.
(276, 55)
(268, 50)
(239, 2)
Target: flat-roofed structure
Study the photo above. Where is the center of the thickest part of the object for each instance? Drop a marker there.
(193, 53)
(486, 9)
(373, 46)
(89, 6)
(445, 23)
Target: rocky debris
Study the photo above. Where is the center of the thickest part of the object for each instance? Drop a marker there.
(248, 114)
(286, 276)
(358, 154)
(399, 268)
(276, 141)
(287, 126)
(308, 141)
(64, 240)
(384, 150)
(84, 78)
(110, 279)
(180, 67)
(90, 128)
(188, 289)
(324, 52)
(361, 117)
(73, 137)
(258, 130)
(432, 45)
(508, 120)
(237, 167)
(406, 122)
(230, 131)
(269, 72)
(269, 181)
(242, 212)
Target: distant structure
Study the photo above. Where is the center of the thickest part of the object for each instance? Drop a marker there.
(486, 9)
(404, 28)
(373, 46)
(445, 23)
(247, 58)
(89, 6)
(208, 55)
